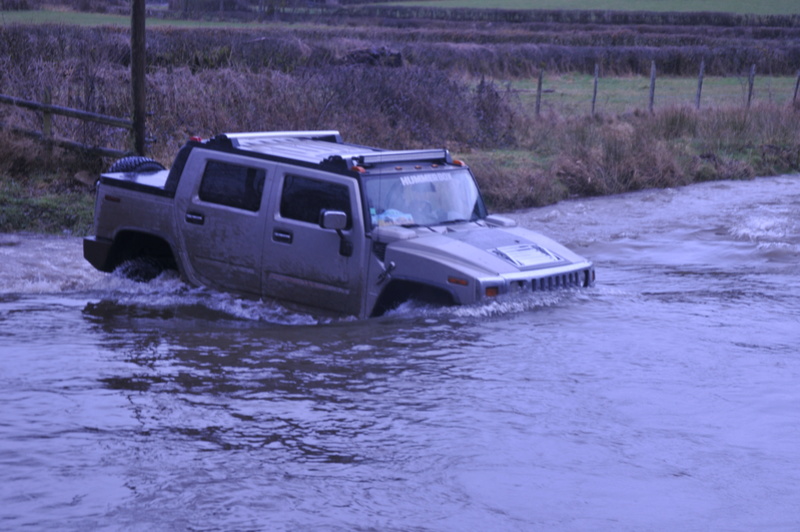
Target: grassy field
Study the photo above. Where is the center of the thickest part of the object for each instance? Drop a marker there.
(571, 94)
(771, 7)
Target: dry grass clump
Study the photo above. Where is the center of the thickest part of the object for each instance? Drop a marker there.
(20, 156)
(608, 155)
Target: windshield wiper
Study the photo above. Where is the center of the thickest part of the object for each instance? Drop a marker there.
(446, 222)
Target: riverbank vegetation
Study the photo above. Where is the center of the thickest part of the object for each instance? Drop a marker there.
(42, 197)
(405, 82)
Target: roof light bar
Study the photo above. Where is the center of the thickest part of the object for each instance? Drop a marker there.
(244, 138)
(404, 156)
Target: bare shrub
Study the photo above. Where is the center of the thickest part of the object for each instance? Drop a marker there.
(595, 163)
(399, 108)
(510, 181)
(776, 132)
(21, 156)
(612, 156)
(676, 122)
(713, 167)
(768, 136)
(494, 117)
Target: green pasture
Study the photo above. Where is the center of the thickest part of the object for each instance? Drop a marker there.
(571, 94)
(771, 7)
(100, 19)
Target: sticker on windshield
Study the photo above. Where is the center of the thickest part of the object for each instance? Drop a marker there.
(409, 180)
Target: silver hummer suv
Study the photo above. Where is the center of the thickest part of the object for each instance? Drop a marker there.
(304, 218)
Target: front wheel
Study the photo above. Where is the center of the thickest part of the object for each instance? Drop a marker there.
(141, 269)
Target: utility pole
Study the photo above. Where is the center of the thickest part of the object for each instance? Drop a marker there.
(138, 64)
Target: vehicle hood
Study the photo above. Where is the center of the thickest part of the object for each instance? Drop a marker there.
(487, 249)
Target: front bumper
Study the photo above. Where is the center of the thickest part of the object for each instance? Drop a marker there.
(98, 252)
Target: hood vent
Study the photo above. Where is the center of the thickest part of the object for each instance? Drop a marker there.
(526, 256)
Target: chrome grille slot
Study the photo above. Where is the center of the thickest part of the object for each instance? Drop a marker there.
(562, 280)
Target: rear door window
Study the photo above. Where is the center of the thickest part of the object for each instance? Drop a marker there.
(233, 185)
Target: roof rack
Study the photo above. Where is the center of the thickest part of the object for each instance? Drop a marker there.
(324, 148)
(404, 156)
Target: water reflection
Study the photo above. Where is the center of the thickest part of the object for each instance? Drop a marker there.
(322, 393)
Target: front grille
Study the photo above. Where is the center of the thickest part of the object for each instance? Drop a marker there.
(562, 280)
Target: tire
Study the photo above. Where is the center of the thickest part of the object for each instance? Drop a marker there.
(136, 164)
(141, 270)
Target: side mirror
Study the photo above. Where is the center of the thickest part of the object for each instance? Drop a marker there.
(336, 220)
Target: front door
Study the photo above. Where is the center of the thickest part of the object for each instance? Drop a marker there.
(222, 219)
(305, 262)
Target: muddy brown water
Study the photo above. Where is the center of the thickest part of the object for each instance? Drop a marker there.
(667, 397)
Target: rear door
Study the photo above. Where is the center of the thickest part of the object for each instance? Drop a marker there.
(304, 262)
(221, 219)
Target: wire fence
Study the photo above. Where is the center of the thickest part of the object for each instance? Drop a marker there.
(567, 94)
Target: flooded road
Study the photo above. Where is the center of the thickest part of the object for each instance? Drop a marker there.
(667, 397)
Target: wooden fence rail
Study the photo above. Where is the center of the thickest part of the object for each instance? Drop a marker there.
(46, 135)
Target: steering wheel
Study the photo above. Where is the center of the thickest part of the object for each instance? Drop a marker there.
(422, 209)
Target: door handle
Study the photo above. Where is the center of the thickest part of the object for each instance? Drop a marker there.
(195, 218)
(284, 237)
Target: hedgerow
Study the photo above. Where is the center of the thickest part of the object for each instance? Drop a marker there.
(406, 88)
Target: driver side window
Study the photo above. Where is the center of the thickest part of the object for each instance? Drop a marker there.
(303, 198)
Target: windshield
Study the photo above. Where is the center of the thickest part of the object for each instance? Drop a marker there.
(424, 198)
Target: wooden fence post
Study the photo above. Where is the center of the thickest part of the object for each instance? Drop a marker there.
(594, 92)
(751, 80)
(700, 83)
(47, 116)
(539, 92)
(138, 59)
(652, 84)
(47, 120)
